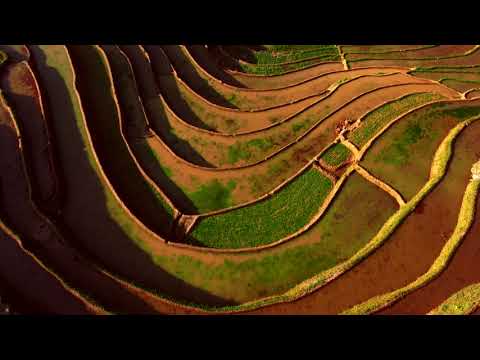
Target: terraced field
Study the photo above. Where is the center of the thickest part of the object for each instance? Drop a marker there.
(249, 179)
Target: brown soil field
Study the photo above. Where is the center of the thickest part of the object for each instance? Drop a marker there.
(433, 52)
(461, 86)
(464, 267)
(465, 60)
(381, 48)
(21, 90)
(448, 75)
(398, 150)
(293, 78)
(198, 112)
(406, 255)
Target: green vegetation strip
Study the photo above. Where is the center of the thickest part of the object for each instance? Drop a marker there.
(381, 116)
(336, 155)
(465, 220)
(270, 70)
(462, 302)
(265, 222)
(270, 58)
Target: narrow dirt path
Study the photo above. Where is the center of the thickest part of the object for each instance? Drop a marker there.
(382, 185)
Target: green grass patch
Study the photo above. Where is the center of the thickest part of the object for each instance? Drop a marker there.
(336, 155)
(270, 70)
(213, 196)
(381, 116)
(269, 220)
(244, 151)
(271, 57)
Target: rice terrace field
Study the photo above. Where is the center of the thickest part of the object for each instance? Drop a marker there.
(240, 179)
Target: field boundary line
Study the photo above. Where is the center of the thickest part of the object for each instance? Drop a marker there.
(381, 184)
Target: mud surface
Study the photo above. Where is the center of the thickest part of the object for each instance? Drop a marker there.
(464, 268)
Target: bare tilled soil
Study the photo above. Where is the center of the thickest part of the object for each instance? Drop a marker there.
(193, 109)
(462, 60)
(433, 52)
(461, 86)
(382, 48)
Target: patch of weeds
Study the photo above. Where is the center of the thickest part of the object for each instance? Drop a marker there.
(336, 154)
(213, 196)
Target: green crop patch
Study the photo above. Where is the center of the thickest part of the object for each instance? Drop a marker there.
(213, 196)
(244, 151)
(273, 57)
(269, 220)
(336, 155)
(381, 116)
